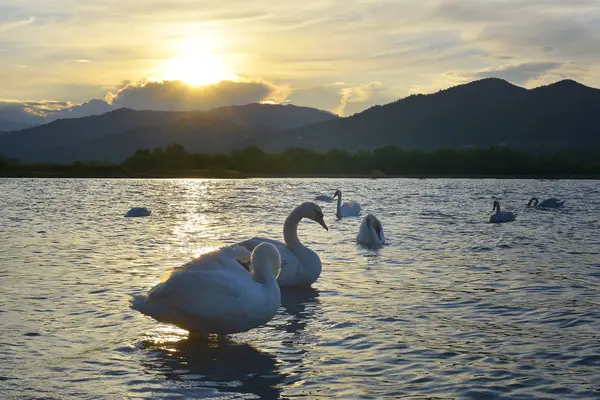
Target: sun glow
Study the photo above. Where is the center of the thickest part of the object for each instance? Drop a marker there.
(196, 65)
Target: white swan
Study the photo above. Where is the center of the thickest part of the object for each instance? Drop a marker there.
(215, 294)
(501, 216)
(548, 203)
(138, 212)
(300, 266)
(324, 197)
(370, 232)
(348, 209)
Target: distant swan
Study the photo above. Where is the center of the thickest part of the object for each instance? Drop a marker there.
(548, 203)
(348, 209)
(138, 212)
(324, 197)
(300, 266)
(370, 232)
(501, 216)
(216, 294)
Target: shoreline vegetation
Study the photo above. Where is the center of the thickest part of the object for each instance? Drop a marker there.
(386, 162)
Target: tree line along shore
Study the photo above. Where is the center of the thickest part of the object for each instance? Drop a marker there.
(390, 161)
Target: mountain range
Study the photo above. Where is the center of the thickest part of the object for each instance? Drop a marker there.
(115, 135)
(560, 116)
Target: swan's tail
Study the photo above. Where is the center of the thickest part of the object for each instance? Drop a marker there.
(139, 302)
(157, 310)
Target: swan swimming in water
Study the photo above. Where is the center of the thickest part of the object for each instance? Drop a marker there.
(216, 294)
(348, 209)
(501, 216)
(138, 212)
(548, 203)
(300, 266)
(370, 232)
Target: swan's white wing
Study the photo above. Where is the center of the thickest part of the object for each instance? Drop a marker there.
(550, 203)
(250, 244)
(287, 257)
(503, 216)
(289, 262)
(350, 208)
(202, 300)
(233, 258)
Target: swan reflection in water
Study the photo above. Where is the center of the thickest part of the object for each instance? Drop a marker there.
(300, 305)
(224, 366)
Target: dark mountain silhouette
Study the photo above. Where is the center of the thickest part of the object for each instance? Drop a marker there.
(117, 134)
(563, 115)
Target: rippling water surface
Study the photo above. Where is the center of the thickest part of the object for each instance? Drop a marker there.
(452, 307)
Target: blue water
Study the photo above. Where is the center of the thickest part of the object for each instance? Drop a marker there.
(452, 307)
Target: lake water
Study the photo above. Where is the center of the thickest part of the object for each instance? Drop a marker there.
(452, 307)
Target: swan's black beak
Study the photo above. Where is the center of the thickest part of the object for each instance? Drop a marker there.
(245, 264)
(319, 219)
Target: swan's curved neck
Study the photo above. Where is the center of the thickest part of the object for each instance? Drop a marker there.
(310, 265)
(339, 205)
(290, 230)
(533, 202)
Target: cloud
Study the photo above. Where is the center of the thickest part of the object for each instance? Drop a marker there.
(358, 95)
(41, 112)
(324, 97)
(567, 30)
(19, 112)
(16, 24)
(179, 96)
(303, 46)
(341, 98)
(519, 73)
(85, 109)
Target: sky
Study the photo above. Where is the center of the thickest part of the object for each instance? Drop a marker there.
(79, 57)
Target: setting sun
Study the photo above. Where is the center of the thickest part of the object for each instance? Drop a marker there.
(196, 65)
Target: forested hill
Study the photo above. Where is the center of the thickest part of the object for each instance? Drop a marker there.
(561, 116)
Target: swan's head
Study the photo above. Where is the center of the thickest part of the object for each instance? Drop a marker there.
(263, 255)
(373, 223)
(338, 193)
(312, 211)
